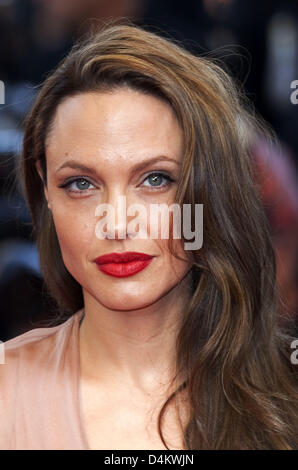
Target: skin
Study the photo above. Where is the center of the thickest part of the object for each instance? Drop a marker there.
(127, 337)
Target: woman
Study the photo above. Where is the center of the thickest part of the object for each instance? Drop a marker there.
(163, 347)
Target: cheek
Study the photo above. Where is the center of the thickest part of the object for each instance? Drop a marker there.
(75, 233)
(174, 269)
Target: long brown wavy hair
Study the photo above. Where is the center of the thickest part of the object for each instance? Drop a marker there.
(241, 385)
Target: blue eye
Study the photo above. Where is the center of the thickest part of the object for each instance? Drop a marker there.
(77, 185)
(156, 180)
(80, 185)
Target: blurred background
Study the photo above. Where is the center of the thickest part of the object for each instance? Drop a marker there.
(257, 41)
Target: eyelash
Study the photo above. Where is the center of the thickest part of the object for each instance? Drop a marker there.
(66, 185)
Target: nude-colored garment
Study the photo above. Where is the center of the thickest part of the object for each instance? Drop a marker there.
(39, 390)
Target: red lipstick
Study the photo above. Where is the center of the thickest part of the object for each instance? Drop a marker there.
(123, 264)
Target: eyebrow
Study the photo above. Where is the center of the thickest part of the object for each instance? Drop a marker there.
(138, 166)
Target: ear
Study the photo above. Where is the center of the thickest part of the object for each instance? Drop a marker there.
(39, 171)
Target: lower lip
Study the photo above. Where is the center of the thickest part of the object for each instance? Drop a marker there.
(124, 269)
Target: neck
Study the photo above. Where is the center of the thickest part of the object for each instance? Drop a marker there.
(137, 347)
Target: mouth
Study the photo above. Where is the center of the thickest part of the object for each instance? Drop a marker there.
(123, 264)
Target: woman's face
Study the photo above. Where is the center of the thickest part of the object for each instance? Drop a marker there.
(107, 141)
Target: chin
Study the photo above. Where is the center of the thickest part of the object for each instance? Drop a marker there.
(126, 302)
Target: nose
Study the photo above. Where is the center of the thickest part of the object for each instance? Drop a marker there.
(117, 222)
(114, 222)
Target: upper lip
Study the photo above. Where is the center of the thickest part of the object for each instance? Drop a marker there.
(122, 257)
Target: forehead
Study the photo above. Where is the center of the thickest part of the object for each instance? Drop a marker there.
(123, 124)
